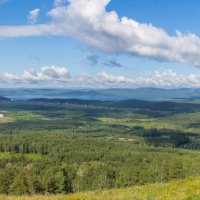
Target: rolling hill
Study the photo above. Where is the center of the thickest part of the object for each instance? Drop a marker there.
(131, 104)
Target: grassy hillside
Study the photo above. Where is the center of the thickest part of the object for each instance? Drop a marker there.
(188, 189)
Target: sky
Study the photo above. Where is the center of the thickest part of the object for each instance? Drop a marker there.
(100, 43)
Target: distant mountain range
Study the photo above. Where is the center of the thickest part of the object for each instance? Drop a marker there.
(104, 94)
(4, 99)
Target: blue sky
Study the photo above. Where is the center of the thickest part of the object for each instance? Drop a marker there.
(89, 64)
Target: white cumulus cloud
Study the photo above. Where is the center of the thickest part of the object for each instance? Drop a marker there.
(90, 22)
(109, 78)
(60, 77)
(50, 75)
(159, 78)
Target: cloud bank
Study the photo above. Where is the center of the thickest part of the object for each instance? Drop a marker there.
(54, 76)
(90, 22)
(47, 75)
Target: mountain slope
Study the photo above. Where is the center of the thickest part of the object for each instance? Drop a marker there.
(4, 98)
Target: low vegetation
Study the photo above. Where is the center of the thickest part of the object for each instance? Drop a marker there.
(188, 189)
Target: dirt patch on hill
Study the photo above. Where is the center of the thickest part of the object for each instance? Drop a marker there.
(1, 117)
(126, 139)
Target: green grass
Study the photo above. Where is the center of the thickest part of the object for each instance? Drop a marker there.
(188, 189)
(7, 155)
(24, 116)
(146, 123)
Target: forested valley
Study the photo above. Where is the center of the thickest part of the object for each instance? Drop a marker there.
(68, 146)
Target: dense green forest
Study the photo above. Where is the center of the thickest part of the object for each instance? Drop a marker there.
(67, 146)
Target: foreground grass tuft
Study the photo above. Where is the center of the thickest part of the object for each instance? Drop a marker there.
(188, 189)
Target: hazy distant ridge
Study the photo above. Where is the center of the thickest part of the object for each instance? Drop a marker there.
(104, 94)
